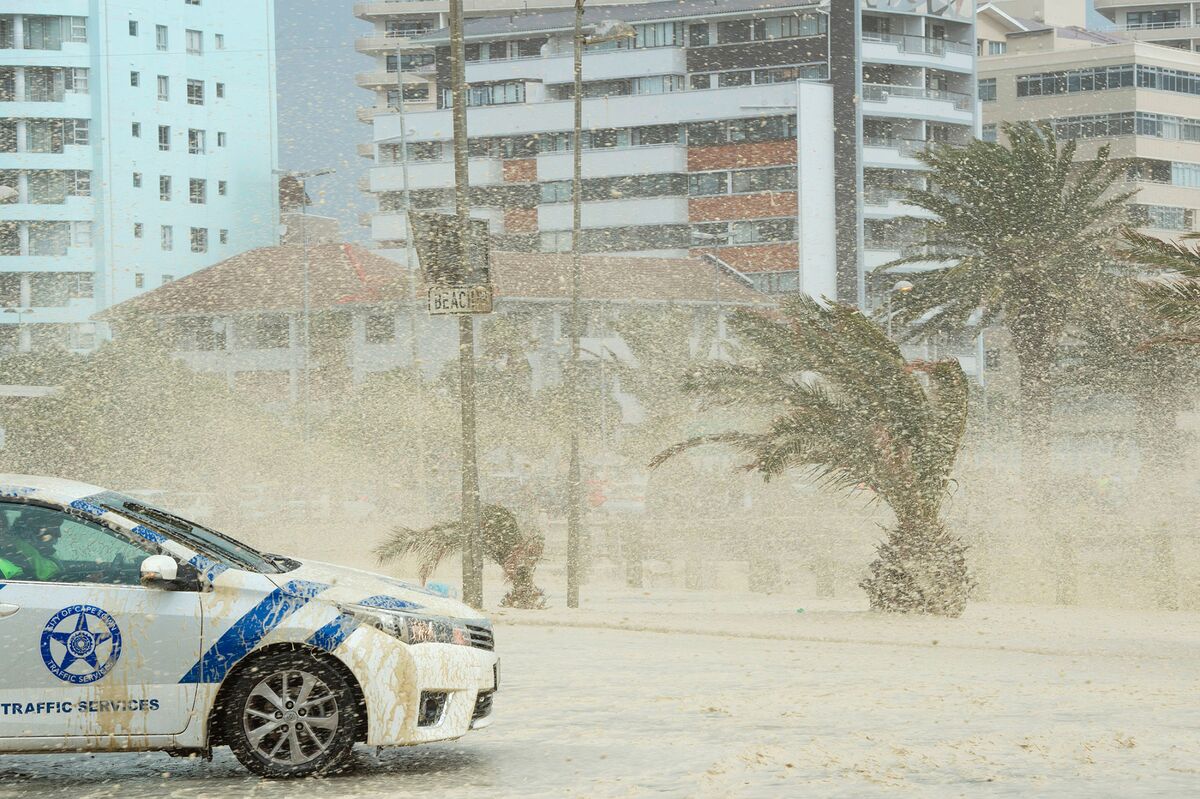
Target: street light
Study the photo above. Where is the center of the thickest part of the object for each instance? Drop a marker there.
(302, 177)
(900, 287)
(605, 31)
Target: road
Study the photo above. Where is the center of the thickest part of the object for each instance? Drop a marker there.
(611, 713)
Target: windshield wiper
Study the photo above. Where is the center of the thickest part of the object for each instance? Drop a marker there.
(184, 529)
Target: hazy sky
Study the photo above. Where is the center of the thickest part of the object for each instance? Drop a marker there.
(318, 98)
(317, 102)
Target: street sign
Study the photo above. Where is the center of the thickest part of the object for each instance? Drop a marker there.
(453, 300)
(436, 238)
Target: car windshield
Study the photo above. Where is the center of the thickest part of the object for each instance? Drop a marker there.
(196, 536)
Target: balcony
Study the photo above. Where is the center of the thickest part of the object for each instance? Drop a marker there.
(888, 203)
(559, 67)
(77, 259)
(918, 51)
(681, 107)
(650, 159)
(435, 174)
(376, 43)
(72, 157)
(917, 102)
(893, 153)
(67, 106)
(73, 209)
(380, 77)
(617, 213)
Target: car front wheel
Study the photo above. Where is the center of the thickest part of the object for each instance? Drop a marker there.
(291, 715)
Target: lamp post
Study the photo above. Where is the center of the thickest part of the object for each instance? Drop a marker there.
(609, 30)
(901, 287)
(305, 324)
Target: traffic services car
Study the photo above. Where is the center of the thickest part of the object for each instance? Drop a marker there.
(125, 627)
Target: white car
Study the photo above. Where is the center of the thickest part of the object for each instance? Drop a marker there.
(127, 628)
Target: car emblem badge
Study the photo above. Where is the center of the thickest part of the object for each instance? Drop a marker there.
(81, 644)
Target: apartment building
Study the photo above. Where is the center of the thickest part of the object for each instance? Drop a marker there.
(1139, 99)
(711, 131)
(404, 65)
(1172, 24)
(137, 141)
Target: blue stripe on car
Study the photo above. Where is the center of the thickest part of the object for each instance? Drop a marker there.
(389, 603)
(87, 507)
(332, 634)
(249, 631)
(153, 536)
(209, 568)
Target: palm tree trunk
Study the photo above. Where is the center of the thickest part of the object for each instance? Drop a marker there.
(1035, 340)
(921, 568)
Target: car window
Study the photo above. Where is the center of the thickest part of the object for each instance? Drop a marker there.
(44, 545)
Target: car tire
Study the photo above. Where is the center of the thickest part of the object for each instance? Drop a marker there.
(290, 714)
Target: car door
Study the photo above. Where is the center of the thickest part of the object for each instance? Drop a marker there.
(88, 651)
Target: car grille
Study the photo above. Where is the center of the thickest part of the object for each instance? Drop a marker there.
(481, 637)
(483, 706)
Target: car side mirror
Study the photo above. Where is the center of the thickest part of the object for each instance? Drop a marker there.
(165, 573)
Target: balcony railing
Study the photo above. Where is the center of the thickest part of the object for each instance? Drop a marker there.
(1155, 26)
(880, 92)
(909, 147)
(928, 45)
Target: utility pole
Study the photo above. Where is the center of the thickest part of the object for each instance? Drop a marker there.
(574, 468)
(472, 561)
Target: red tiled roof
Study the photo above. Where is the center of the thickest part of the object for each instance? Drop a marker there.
(272, 279)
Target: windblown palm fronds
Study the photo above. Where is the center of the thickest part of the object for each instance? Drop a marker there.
(517, 553)
(846, 406)
(1021, 230)
(1173, 290)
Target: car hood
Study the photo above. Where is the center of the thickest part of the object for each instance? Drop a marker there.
(354, 586)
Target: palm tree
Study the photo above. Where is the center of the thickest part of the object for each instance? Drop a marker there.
(842, 402)
(516, 552)
(1023, 227)
(1172, 291)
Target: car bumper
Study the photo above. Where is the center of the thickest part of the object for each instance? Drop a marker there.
(423, 693)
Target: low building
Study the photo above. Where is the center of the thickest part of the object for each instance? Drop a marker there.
(245, 318)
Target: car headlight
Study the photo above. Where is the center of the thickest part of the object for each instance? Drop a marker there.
(412, 628)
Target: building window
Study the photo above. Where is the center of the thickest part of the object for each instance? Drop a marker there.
(381, 328)
(222, 187)
(698, 35)
(81, 234)
(164, 137)
(195, 42)
(1161, 217)
(221, 138)
(164, 187)
(224, 236)
(164, 88)
(133, 27)
(167, 279)
(195, 92)
(79, 183)
(706, 183)
(135, 79)
(987, 90)
(136, 130)
(160, 37)
(77, 132)
(997, 48)
(989, 133)
(558, 191)
(219, 41)
(199, 236)
(139, 280)
(192, 2)
(137, 180)
(1148, 20)
(196, 141)
(556, 241)
(138, 230)
(220, 90)
(76, 80)
(166, 238)
(198, 191)
(78, 30)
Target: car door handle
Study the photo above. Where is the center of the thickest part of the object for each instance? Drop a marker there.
(8, 610)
